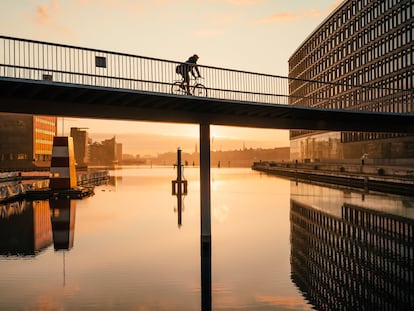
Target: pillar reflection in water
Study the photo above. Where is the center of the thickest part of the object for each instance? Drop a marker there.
(361, 260)
(206, 276)
(63, 212)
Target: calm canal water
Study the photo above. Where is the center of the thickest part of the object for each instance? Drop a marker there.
(276, 245)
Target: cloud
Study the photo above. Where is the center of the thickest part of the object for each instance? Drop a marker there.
(48, 16)
(245, 2)
(301, 15)
(131, 6)
(334, 6)
(241, 2)
(290, 16)
(207, 33)
(282, 301)
(279, 17)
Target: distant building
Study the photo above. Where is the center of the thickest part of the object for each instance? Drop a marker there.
(103, 153)
(369, 43)
(80, 143)
(118, 152)
(26, 141)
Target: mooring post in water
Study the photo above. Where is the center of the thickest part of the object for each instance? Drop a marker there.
(179, 175)
(179, 186)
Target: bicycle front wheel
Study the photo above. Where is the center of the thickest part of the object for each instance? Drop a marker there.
(177, 88)
(199, 90)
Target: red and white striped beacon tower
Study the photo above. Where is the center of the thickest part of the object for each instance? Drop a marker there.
(62, 167)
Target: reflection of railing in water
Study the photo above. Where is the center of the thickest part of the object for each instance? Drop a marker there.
(362, 260)
(12, 208)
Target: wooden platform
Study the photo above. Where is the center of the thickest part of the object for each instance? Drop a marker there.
(76, 193)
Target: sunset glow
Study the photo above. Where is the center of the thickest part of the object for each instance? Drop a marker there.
(237, 34)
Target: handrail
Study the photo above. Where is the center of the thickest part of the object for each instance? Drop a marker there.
(54, 62)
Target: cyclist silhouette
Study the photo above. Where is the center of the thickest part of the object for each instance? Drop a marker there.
(184, 70)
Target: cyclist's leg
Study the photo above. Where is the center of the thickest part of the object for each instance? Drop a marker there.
(187, 81)
(182, 81)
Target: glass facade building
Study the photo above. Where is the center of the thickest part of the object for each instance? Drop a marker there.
(362, 56)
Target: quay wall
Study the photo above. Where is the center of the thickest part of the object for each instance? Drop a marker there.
(396, 180)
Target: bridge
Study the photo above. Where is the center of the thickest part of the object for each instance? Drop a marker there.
(54, 79)
(62, 80)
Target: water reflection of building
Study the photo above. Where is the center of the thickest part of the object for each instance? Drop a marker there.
(28, 227)
(361, 260)
(25, 228)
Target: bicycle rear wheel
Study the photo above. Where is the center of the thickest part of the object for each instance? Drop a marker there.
(199, 90)
(176, 88)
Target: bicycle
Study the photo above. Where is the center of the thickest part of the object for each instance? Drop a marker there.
(178, 87)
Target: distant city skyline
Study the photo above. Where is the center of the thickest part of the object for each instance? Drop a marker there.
(167, 137)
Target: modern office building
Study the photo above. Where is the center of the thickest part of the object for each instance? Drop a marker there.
(80, 142)
(363, 56)
(26, 141)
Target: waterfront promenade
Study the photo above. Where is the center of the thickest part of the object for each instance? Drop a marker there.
(370, 177)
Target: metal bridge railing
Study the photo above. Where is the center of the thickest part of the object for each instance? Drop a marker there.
(29, 59)
(35, 60)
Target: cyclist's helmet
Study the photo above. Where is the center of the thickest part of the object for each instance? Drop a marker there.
(195, 56)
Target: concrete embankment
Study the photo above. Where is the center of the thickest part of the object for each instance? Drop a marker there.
(389, 179)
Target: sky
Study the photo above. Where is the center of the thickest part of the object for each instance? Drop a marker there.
(252, 35)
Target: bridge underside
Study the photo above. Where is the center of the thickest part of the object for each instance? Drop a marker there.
(72, 100)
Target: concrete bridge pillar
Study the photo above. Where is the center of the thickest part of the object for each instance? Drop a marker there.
(205, 190)
(205, 195)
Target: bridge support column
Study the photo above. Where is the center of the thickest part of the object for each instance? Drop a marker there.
(205, 194)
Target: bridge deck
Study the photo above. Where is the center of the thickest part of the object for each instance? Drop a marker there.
(75, 100)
